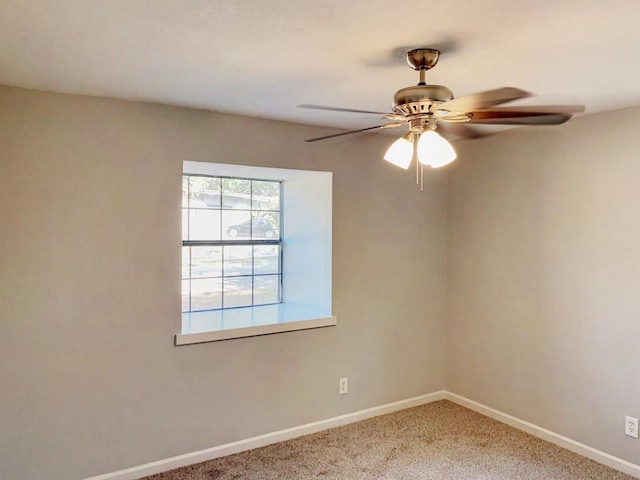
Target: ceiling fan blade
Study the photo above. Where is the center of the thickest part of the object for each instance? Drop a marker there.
(395, 116)
(491, 117)
(462, 130)
(375, 127)
(524, 110)
(477, 101)
(338, 109)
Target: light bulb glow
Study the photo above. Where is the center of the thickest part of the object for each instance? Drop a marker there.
(434, 150)
(400, 153)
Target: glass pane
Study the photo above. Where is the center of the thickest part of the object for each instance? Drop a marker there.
(185, 192)
(206, 294)
(185, 295)
(204, 224)
(266, 289)
(204, 192)
(266, 259)
(266, 195)
(237, 260)
(206, 262)
(185, 224)
(266, 225)
(185, 262)
(236, 193)
(237, 292)
(236, 224)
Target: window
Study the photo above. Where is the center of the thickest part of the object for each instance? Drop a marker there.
(231, 243)
(256, 251)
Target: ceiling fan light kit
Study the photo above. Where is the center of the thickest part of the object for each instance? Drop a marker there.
(434, 150)
(424, 107)
(400, 153)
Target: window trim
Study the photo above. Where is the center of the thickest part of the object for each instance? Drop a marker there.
(289, 320)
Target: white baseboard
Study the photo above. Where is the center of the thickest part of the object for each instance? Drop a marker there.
(267, 439)
(560, 440)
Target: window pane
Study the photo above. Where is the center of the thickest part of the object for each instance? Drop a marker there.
(206, 262)
(266, 259)
(236, 224)
(236, 193)
(185, 224)
(266, 289)
(237, 260)
(237, 292)
(206, 294)
(186, 259)
(204, 192)
(266, 195)
(266, 226)
(185, 193)
(185, 295)
(204, 224)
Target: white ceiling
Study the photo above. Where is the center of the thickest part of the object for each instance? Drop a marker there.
(264, 57)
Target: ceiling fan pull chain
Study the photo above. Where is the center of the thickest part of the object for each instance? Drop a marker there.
(421, 177)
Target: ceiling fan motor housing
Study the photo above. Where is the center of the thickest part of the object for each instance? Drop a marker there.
(419, 99)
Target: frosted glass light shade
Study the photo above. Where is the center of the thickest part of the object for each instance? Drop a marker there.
(434, 150)
(400, 153)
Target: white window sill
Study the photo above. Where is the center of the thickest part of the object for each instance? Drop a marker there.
(212, 326)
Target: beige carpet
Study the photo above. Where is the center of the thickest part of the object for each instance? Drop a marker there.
(439, 441)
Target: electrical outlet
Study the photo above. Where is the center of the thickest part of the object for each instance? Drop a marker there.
(343, 387)
(631, 426)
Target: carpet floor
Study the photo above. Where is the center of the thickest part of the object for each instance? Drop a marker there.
(437, 441)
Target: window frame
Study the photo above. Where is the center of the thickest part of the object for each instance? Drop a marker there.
(250, 242)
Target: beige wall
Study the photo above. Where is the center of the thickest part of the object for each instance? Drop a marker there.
(90, 291)
(543, 234)
(544, 277)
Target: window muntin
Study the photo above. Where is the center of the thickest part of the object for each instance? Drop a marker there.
(232, 247)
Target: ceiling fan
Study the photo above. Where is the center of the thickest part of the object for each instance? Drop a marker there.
(423, 108)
